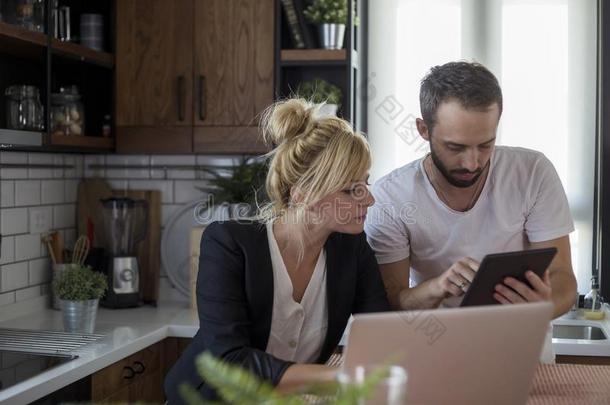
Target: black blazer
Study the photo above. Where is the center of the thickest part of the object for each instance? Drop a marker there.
(235, 300)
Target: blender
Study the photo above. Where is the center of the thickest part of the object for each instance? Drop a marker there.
(126, 223)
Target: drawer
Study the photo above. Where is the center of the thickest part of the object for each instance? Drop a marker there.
(123, 373)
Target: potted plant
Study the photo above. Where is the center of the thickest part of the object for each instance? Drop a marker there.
(320, 91)
(330, 16)
(239, 190)
(237, 386)
(79, 289)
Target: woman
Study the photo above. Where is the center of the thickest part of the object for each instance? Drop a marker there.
(274, 294)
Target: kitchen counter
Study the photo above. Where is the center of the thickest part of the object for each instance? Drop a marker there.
(126, 331)
(582, 347)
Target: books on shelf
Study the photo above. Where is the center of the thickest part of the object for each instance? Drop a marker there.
(300, 30)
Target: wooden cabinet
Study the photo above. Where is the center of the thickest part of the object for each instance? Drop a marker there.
(135, 379)
(38, 59)
(138, 377)
(154, 75)
(193, 75)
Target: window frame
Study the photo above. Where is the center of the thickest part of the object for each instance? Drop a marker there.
(601, 237)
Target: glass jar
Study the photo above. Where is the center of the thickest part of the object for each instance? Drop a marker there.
(23, 108)
(67, 112)
(24, 14)
(30, 14)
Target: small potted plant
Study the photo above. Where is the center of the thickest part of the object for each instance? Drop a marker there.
(320, 91)
(330, 16)
(79, 289)
(237, 191)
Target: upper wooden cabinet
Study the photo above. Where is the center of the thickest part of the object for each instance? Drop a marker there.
(193, 75)
(155, 69)
(154, 76)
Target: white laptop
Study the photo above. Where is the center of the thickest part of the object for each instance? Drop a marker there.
(475, 355)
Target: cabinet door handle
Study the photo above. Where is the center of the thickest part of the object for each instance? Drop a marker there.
(138, 367)
(202, 97)
(128, 373)
(180, 91)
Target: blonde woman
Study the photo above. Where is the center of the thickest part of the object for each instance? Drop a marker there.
(275, 293)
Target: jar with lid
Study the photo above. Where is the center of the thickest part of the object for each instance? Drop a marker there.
(30, 14)
(67, 112)
(24, 110)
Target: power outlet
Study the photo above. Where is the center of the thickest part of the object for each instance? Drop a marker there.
(40, 220)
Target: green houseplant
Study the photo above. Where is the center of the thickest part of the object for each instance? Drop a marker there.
(237, 386)
(240, 189)
(79, 289)
(320, 91)
(330, 16)
(327, 12)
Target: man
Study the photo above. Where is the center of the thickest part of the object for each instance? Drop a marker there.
(437, 217)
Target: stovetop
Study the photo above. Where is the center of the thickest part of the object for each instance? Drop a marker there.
(27, 353)
(16, 367)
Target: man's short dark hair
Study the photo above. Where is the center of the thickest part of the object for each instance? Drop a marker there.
(472, 84)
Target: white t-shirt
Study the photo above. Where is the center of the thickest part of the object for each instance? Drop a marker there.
(298, 330)
(522, 200)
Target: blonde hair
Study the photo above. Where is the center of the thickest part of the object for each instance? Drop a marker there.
(314, 155)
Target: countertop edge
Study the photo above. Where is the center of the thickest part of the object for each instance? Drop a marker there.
(59, 377)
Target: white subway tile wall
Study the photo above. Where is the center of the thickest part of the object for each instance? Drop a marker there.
(25, 266)
(177, 187)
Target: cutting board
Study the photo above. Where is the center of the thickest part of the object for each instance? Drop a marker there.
(89, 209)
(195, 238)
(149, 250)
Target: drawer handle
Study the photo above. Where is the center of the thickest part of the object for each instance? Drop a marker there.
(202, 93)
(138, 367)
(128, 373)
(181, 97)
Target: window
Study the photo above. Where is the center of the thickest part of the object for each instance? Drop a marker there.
(543, 52)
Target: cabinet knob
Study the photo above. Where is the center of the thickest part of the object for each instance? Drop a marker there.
(128, 373)
(138, 367)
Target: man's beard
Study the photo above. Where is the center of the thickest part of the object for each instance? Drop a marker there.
(447, 174)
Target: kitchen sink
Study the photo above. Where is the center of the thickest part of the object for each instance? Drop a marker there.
(578, 332)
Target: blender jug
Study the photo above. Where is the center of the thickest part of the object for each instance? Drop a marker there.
(126, 223)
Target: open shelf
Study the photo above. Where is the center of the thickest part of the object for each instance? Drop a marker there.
(313, 56)
(18, 41)
(11, 137)
(82, 53)
(83, 142)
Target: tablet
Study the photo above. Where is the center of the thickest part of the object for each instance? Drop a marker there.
(496, 267)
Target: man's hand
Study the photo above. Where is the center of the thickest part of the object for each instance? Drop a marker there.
(513, 291)
(456, 280)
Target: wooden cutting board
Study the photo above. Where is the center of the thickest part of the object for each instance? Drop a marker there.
(89, 209)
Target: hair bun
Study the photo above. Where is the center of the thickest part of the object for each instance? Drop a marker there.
(286, 120)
